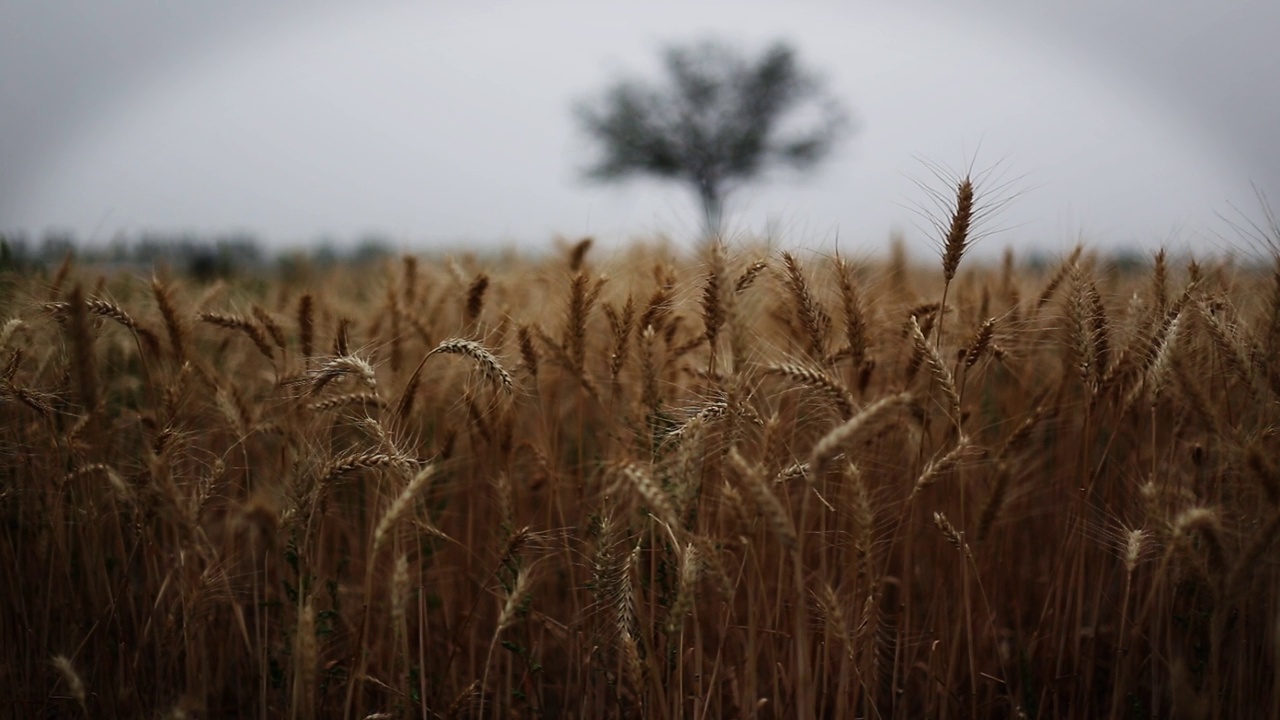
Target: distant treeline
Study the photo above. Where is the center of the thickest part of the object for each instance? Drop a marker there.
(196, 257)
(206, 259)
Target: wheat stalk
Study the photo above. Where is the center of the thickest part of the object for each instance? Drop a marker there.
(306, 660)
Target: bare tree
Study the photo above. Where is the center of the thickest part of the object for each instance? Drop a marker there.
(719, 120)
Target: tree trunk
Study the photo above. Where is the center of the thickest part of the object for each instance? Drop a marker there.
(712, 198)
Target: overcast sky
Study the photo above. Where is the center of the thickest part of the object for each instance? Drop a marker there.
(1115, 121)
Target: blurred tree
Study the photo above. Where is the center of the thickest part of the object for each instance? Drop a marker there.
(719, 120)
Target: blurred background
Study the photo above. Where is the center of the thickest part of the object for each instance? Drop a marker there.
(420, 125)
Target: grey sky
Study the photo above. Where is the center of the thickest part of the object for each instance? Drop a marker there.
(1112, 121)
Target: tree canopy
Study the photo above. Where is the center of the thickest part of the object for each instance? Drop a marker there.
(718, 120)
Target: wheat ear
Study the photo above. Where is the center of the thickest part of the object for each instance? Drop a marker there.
(828, 386)
(163, 294)
(814, 321)
(957, 239)
(485, 360)
(855, 320)
(835, 441)
(753, 481)
(250, 329)
(937, 368)
(400, 506)
(74, 684)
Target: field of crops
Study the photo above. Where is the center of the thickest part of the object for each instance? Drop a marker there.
(734, 482)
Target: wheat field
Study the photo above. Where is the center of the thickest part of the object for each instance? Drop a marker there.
(727, 483)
